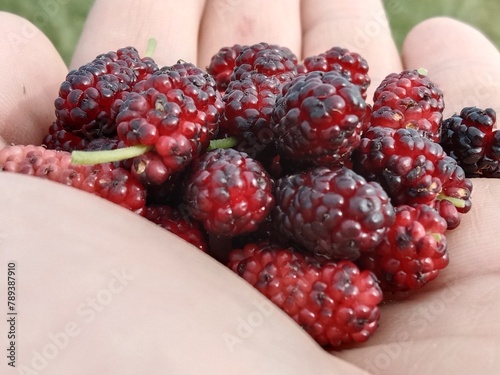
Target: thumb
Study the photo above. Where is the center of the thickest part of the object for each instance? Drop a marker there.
(33, 72)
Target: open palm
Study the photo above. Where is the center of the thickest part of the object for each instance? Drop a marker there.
(168, 307)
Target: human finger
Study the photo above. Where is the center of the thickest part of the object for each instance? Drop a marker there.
(150, 293)
(229, 22)
(33, 71)
(457, 312)
(361, 27)
(113, 24)
(465, 64)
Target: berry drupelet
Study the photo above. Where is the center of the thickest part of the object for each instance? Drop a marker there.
(413, 169)
(335, 303)
(318, 119)
(412, 252)
(57, 138)
(175, 114)
(350, 64)
(222, 64)
(267, 59)
(173, 220)
(249, 103)
(335, 213)
(61, 140)
(473, 141)
(228, 192)
(409, 99)
(105, 180)
(259, 72)
(89, 97)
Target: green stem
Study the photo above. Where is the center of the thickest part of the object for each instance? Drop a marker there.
(422, 71)
(437, 236)
(107, 156)
(222, 143)
(457, 202)
(151, 47)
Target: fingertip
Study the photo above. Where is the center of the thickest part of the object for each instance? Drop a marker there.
(32, 72)
(447, 28)
(227, 23)
(361, 27)
(446, 32)
(460, 59)
(114, 24)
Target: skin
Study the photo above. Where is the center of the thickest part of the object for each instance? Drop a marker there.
(119, 295)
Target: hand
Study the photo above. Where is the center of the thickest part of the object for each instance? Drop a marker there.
(102, 289)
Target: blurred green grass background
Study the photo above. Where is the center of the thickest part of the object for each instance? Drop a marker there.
(62, 20)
